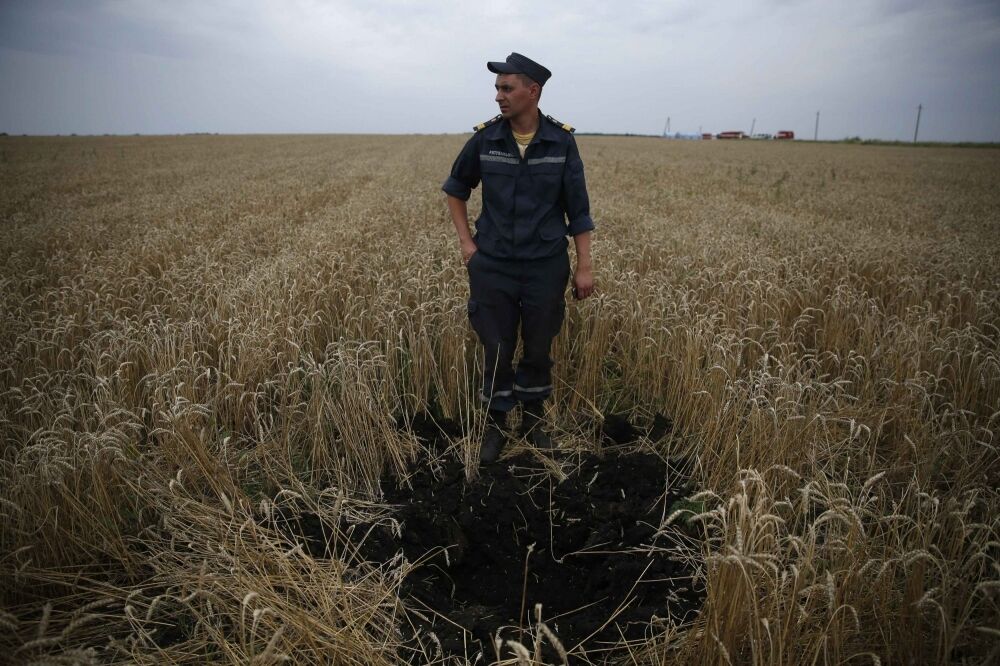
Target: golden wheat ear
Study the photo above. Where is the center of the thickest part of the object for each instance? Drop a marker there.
(193, 325)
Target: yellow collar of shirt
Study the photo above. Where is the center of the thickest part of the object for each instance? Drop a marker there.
(524, 139)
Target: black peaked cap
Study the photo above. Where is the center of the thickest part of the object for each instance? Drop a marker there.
(519, 64)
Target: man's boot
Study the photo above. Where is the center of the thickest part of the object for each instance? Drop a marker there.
(494, 437)
(532, 425)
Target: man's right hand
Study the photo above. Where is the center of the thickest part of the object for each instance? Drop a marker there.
(460, 218)
(468, 249)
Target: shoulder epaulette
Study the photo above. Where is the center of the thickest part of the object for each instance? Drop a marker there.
(491, 121)
(559, 123)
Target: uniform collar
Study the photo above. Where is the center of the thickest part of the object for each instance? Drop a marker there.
(546, 130)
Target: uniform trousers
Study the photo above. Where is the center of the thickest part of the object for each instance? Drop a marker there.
(506, 295)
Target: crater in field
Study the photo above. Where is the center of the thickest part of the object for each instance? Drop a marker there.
(580, 535)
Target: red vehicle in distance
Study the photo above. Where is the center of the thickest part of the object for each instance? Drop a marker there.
(785, 134)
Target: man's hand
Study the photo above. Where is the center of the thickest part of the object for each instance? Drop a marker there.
(468, 249)
(459, 217)
(583, 278)
(583, 282)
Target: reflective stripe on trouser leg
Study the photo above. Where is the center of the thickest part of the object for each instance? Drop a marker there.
(497, 391)
(543, 307)
(494, 314)
(532, 391)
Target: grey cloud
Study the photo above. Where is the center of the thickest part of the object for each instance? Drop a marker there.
(81, 29)
(386, 66)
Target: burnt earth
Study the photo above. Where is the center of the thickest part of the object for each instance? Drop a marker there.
(488, 550)
(588, 545)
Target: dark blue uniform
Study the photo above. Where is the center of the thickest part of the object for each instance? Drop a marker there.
(518, 275)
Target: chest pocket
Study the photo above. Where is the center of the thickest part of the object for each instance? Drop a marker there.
(546, 181)
(495, 166)
(498, 179)
(546, 170)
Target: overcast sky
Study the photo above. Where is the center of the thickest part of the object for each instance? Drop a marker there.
(396, 66)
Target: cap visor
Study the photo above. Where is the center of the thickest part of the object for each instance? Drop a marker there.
(502, 68)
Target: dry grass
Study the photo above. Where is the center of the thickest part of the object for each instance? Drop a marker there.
(196, 329)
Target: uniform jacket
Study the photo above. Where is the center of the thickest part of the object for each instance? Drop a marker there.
(530, 204)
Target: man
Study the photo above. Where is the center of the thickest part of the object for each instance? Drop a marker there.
(534, 195)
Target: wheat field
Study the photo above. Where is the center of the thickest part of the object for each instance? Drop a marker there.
(198, 331)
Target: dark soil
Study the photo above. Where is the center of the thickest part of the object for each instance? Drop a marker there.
(586, 549)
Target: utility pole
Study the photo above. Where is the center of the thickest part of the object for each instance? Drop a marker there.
(668, 124)
(816, 131)
(917, 128)
(752, 125)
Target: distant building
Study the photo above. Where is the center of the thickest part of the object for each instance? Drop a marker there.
(731, 135)
(682, 137)
(785, 134)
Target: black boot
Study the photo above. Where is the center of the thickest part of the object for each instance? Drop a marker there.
(532, 425)
(494, 437)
